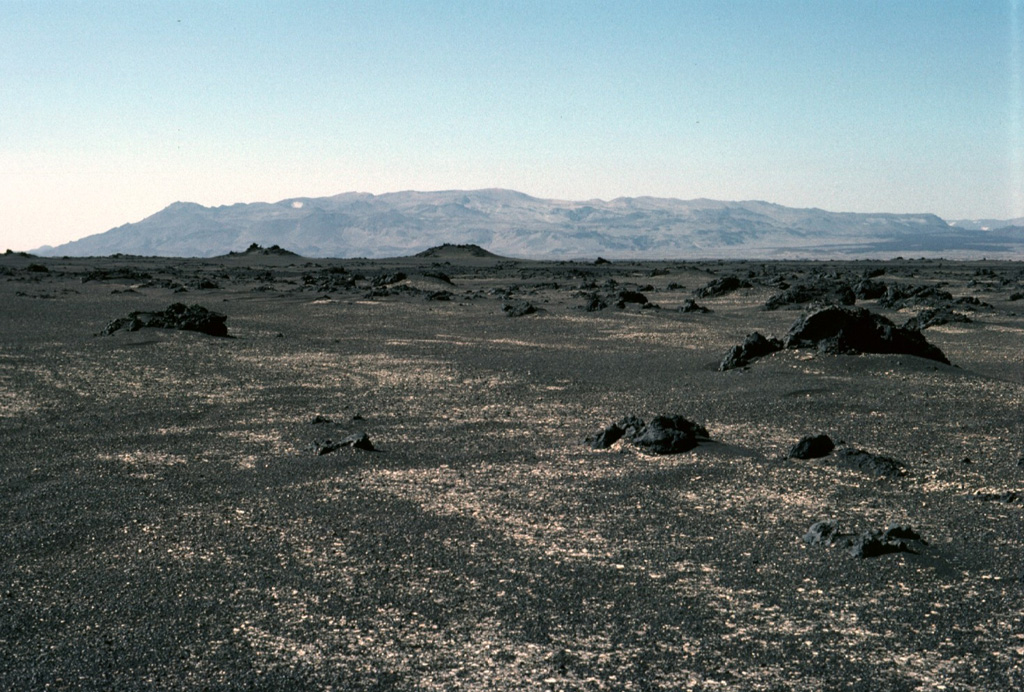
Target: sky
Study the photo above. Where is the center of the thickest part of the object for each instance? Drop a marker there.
(110, 111)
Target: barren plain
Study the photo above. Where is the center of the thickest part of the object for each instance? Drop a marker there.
(166, 521)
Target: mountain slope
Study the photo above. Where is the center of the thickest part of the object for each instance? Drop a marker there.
(514, 224)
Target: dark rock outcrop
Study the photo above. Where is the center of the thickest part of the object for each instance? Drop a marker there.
(753, 347)
(193, 318)
(662, 435)
(903, 295)
(595, 303)
(722, 286)
(518, 308)
(690, 305)
(837, 330)
(356, 441)
(896, 538)
(1008, 497)
(387, 279)
(330, 280)
(634, 297)
(869, 289)
(851, 330)
(871, 464)
(823, 533)
(829, 291)
(440, 276)
(121, 273)
(812, 447)
(932, 317)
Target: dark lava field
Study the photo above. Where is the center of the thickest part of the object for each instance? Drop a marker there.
(457, 471)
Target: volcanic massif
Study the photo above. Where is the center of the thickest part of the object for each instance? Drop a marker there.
(455, 470)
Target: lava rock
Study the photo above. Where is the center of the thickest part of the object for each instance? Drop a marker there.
(257, 249)
(1008, 497)
(851, 330)
(663, 435)
(690, 305)
(931, 317)
(872, 464)
(903, 295)
(123, 273)
(635, 297)
(722, 286)
(194, 318)
(901, 532)
(518, 308)
(821, 291)
(824, 533)
(812, 447)
(897, 538)
(756, 345)
(669, 435)
(870, 544)
(330, 280)
(356, 441)
(868, 289)
(606, 438)
(387, 279)
(440, 276)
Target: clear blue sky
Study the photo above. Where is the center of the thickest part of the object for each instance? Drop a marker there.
(110, 111)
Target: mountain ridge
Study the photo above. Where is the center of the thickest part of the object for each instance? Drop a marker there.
(515, 224)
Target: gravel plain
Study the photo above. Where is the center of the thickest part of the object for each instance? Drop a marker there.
(166, 522)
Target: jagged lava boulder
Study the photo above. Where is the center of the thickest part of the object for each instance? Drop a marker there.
(842, 329)
(662, 435)
(812, 447)
(722, 286)
(755, 346)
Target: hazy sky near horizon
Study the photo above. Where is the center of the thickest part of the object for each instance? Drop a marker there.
(113, 110)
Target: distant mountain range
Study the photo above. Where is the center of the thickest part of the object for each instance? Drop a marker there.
(517, 225)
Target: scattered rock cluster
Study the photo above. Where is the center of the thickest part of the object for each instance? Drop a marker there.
(619, 298)
(193, 318)
(257, 249)
(122, 273)
(662, 435)
(897, 538)
(330, 280)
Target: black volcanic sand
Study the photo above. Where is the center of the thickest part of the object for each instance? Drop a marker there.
(167, 523)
